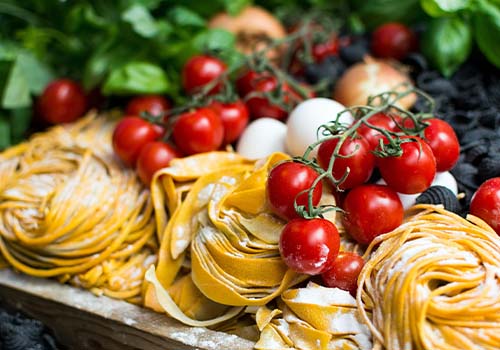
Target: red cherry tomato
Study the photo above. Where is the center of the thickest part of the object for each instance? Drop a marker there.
(413, 171)
(153, 104)
(379, 120)
(260, 107)
(198, 131)
(485, 203)
(247, 81)
(309, 246)
(285, 182)
(360, 161)
(234, 117)
(444, 143)
(371, 210)
(153, 157)
(322, 50)
(62, 101)
(393, 40)
(130, 136)
(201, 70)
(344, 272)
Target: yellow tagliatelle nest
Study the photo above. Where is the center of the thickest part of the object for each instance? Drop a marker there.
(434, 284)
(69, 210)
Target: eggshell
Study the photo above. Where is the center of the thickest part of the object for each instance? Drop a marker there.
(305, 119)
(261, 138)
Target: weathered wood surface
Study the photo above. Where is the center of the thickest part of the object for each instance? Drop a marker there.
(81, 320)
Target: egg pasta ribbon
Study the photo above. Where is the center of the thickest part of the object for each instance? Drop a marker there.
(70, 210)
(433, 284)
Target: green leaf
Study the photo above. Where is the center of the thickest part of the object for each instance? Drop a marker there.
(233, 7)
(439, 8)
(16, 92)
(4, 133)
(37, 73)
(487, 31)
(20, 120)
(142, 21)
(377, 12)
(185, 17)
(214, 40)
(447, 43)
(137, 78)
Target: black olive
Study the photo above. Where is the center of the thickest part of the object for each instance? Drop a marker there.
(355, 52)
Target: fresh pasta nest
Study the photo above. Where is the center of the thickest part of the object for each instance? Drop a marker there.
(434, 284)
(69, 210)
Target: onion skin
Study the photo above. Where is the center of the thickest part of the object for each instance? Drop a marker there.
(253, 28)
(370, 78)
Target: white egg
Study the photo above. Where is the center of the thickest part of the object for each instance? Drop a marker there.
(447, 180)
(305, 119)
(444, 178)
(261, 138)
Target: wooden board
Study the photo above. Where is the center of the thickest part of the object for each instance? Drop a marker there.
(81, 320)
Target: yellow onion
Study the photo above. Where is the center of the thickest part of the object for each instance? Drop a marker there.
(253, 27)
(370, 78)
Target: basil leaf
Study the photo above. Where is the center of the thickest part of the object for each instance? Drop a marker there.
(4, 133)
(144, 23)
(487, 31)
(20, 120)
(37, 73)
(185, 17)
(438, 8)
(137, 78)
(16, 92)
(214, 40)
(233, 7)
(447, 43)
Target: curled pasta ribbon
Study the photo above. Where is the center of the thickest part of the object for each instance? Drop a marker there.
(69, 210)
(433, 283)
(313, 318)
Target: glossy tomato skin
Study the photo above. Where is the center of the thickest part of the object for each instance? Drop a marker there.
(131, 134)
(393, 40)
(360, 164)
(198, 131)
(247, 81)
(285, 182)
(309, 246)
(371, 135)
(413, 171)
(201, 70)
(320, 51)
(261, 107)
(344, 272)
(443, 141)
(62, 101)
(371, 210)
(155, 105)
(234, 117)
(153, 157)
(485, 203)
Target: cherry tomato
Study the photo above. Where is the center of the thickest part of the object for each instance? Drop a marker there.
(393, 40)
(320, 51)
(130, 136)
(285, 182)
(444, 143)
(62, 101)
(379, 120)
(485, 203)
(198, 131)
(344, 272)
(309, 246)
(413, 171)
(234, 118)
(360, 160)
(201, 70)
(261, 107)
(247, 81)
(153, 104)
(153, 157)
(371, 210)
